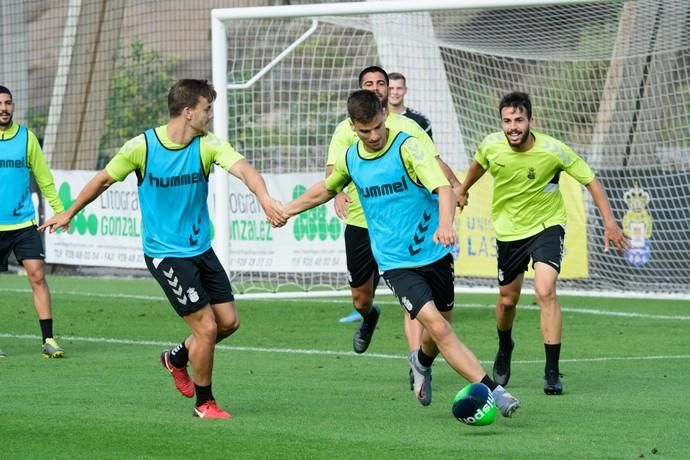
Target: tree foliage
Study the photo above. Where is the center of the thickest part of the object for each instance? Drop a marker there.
(136, 102)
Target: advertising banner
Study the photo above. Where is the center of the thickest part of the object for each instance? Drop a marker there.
(107, 232)
(477, 240)
(310, 242)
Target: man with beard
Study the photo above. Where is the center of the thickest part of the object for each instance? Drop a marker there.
(21, 156)
(172, 164)
(362, 269)
(529, 218)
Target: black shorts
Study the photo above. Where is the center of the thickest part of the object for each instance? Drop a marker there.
(360, 260)
(414, 287)
(191, 283)
(25, 243)
(513, 256)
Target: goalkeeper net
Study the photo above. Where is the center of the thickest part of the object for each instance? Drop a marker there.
(611, 79)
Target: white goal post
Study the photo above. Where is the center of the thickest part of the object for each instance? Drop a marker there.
(219, 43)
(609, 78)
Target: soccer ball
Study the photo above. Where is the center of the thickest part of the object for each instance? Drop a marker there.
(474, 405)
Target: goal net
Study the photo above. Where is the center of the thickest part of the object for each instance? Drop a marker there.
(611, 79)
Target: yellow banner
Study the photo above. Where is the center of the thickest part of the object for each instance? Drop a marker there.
(477, 240)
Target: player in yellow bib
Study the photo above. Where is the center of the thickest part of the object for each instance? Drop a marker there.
(529, 218)
(362, 269)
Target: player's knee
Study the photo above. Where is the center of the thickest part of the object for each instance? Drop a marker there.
(362, 300)
(228, 327)
(544, 294)
(36, 277)
(439, 329)
(507, 304)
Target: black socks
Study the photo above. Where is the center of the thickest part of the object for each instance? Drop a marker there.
(504, 339)
(179, 356)
(553, 354)
(203, 394)
(424, 359)
(46, 328)
(489, 383)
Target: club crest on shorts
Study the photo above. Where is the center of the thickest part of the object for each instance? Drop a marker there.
(193, 295)
(406, 303)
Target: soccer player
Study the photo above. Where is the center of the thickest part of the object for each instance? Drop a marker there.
(172, 164)
(397, 90)
(409, 206)
(529, 218)
(361, 266)
(21, 156)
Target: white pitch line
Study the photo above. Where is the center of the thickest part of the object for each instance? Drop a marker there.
(302, 351)
(585, 311)
(91, 294)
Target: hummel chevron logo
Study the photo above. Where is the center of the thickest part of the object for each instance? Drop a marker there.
(16, 211)
(419, 237)
(421, 227)
(196, 228)
(176, 286)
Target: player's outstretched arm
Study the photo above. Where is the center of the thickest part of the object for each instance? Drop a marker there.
(316, 194)
(92, 190)
(612, 232)
(256, 184)
(474, 173)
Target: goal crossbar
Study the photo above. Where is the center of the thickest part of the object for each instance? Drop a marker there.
(220, 74)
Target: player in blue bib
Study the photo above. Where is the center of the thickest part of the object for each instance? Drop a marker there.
(172, 164)
(409, 206)
(20, 158)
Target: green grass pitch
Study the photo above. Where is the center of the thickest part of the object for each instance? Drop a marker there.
(296, 389)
